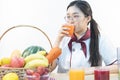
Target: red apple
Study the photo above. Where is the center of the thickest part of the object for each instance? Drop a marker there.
(21, 61)
(29, 72)
(17, 62)
(46, 71)
(41, 70)
(36, 75)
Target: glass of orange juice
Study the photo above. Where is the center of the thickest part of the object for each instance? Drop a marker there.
(76, 74)
(71, 31)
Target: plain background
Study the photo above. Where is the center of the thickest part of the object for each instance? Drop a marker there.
(48, 15)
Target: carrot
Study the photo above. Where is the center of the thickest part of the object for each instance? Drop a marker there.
(53, 54)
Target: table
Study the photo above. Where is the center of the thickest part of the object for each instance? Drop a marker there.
(65, 76)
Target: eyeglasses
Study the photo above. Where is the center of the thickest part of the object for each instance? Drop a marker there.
(74, 17)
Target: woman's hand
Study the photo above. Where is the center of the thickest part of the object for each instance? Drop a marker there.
(62, 33)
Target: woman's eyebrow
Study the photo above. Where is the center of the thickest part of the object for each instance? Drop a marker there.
(73, 13)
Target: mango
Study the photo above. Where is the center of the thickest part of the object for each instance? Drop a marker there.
(16, 53)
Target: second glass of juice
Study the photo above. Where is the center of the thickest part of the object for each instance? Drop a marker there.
(101, 74)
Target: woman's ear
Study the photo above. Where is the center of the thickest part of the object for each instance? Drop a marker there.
(88, 18)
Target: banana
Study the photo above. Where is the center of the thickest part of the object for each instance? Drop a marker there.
(37, 62)
(42, 52)
(34, 56)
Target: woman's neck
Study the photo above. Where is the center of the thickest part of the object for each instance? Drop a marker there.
(81, 33)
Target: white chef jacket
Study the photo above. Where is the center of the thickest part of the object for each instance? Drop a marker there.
(77, 58)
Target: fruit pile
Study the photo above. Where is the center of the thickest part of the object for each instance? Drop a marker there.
(14, 61)
(32, 58)
(40, 73)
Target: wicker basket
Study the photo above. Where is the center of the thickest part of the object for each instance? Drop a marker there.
(20, 71)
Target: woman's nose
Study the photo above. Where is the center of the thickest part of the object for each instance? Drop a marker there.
(71, 22)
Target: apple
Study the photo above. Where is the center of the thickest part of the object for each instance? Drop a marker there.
(17, 62)
(21, 61)
(29, 72)
(46, 71)
(36, 76)
(41, 70)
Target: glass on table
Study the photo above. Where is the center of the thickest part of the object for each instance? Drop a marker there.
(76, 74)
(101, 74)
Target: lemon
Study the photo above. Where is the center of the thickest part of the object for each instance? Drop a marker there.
(5, 60)
(10, 76)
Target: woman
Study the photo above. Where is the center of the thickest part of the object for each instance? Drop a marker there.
(87, 48)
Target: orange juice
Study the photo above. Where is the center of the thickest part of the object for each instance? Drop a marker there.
(71, 31)
(76, 74)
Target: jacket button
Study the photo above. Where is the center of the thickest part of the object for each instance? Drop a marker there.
(73, 49)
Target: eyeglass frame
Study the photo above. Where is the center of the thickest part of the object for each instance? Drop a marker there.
(74, 17)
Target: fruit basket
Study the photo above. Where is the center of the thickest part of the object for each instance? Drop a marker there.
(21, 72)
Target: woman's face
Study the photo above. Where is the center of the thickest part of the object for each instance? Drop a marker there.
(76, 17)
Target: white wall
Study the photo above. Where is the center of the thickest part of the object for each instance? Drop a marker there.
(107, 14)
(49, 16)
(44, 14)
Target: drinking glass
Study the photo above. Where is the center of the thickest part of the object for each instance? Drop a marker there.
(101, 74)
(71, 31)
(76, 74)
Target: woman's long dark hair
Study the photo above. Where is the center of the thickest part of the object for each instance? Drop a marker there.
(95, 58)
